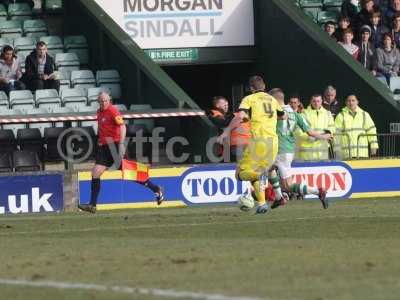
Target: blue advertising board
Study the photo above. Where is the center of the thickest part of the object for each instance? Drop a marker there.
(31, 194)
(205, 184)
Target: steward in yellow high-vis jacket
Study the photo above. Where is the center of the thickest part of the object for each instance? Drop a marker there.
(320, 120)
(352, 122)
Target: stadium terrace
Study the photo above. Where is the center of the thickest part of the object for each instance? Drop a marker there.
(171, 5)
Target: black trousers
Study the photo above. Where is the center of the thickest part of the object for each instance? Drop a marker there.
(7, 87)
(39, 84)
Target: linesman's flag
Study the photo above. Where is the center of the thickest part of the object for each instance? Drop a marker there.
(132, 170)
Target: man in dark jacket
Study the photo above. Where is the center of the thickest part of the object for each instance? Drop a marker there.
(330, 101)
(39, 69)
(367, 49)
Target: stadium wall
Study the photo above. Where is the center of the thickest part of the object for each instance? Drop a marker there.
(296, 55)
(212, 184)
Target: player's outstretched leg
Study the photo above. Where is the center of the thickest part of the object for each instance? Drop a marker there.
(322, 198)
(303, 189)
(280, 198)
(156, 189)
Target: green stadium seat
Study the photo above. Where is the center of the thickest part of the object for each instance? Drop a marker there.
(83, 79)
(64, 76)
(92, 124)
(74, 97)
(11, 29)
(22, 100)
(53, 6)
(25, 43)
(47, 98)
(63, 110)
(149, 123)
(54, 44)
(77, 44)
(4, 103)
(333, 5)
(325, 16)
(93, 93)
(67, 62)
(111, 80)
(40, 126)
(121, 107)
(35, 28)
(3, 13)
(19, 11)
(5, 41)
(311, 7)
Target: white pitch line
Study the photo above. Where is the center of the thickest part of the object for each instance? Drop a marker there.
(258, 219)
(166, 293)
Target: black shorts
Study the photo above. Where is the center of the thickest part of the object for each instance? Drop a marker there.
(104, 156)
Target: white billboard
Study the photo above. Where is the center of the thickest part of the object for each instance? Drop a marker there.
(184, 23)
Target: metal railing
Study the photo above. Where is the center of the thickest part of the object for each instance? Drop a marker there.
(389, 145)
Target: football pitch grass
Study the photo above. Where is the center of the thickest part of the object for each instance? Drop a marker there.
(300, 251)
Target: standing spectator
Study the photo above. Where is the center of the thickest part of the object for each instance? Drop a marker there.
(387, 59)
(391, 12)
(367, 50)
(320, 120)
(330, 102)
(348, 45)
(352, 121)
(39, 69)
(350, 9)
(295, 103)
(330, 28)
(363, 16)
(10, 71)
(112, 132)
(377, 29)
(396, 29)
(344, 23)
(219, 114)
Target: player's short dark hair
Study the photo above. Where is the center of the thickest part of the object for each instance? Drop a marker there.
(316, 95)
(257, 83)
(295, 95)
(329, 23)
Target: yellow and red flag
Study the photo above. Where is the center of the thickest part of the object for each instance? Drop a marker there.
(132, 170)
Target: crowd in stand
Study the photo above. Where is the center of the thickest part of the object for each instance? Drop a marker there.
(353, 127)
(369, 30)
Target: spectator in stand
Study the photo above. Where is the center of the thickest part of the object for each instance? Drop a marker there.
(39, 69)
(352, 121)
(344, 23)
(387, 59)
(396, 29)
(350, 9)
(363, 16)
(377, 29)
(367, 50)
(348, 45)
(10, 71)
(295, 103)
(219, 114)
(330, 28)
(391, 12)
(330, 102)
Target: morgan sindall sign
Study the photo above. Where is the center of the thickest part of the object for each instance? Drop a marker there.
(184, 23)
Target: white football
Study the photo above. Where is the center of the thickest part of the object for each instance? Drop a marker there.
(246, 202)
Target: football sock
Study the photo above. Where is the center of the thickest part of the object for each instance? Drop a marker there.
(259, 195)
(274, 181)
(303, 189)
(95, 188)
(150, 185)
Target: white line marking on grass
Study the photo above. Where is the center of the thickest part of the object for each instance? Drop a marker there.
(258, 219)
(166, 293)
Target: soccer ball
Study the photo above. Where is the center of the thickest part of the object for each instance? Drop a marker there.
(246, 202)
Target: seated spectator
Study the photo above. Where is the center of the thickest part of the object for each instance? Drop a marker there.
(396, 29)
(387, 59)
(10, 71)
(344, 23)
(330, 102)
(377, 29)
(363, 16)
(295, 103)
(352, 122)
(39, 69)
(350, 9)
(347, 43)
(330, 28)
(367, 50)
(391, 12)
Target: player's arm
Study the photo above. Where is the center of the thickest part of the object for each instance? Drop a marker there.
(235, 122)
(305, 127)
(280, 112)
(122, 127)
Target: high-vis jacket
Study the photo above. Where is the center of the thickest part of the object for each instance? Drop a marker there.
(309, 148)
(357, 131)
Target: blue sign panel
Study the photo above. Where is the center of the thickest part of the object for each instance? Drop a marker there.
(31, 194)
